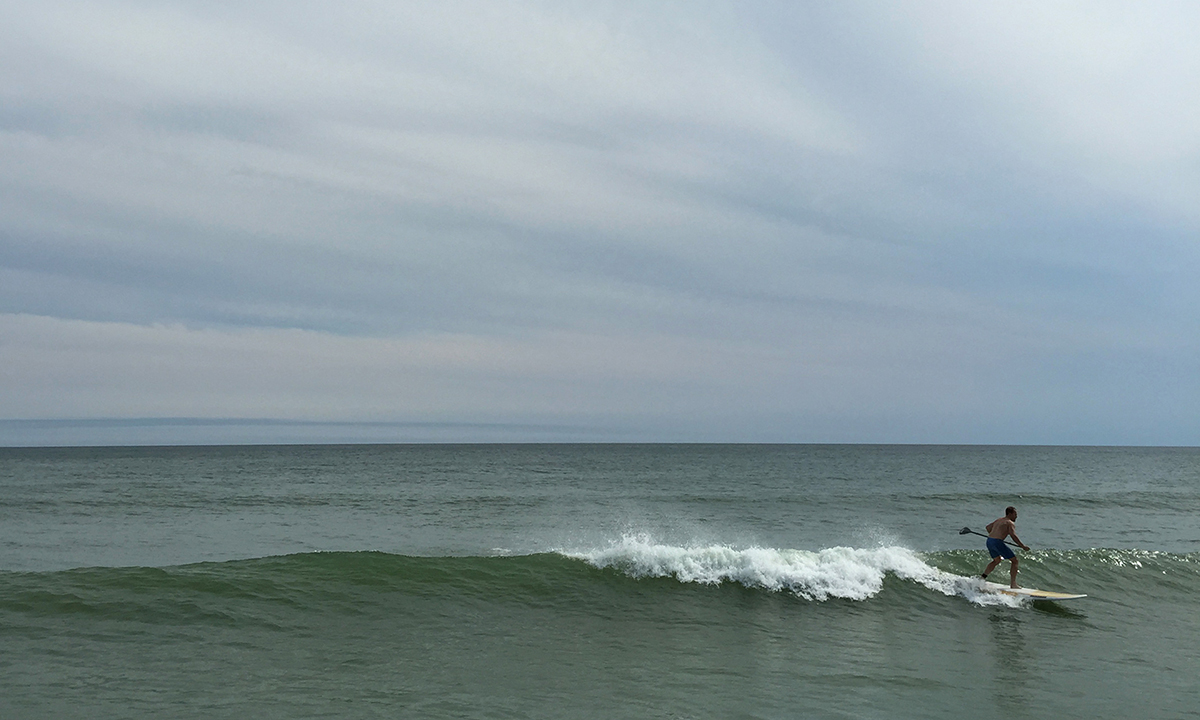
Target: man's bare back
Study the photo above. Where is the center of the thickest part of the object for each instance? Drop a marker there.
(1001, 528)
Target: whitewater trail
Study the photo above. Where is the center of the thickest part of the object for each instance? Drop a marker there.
(835, 572)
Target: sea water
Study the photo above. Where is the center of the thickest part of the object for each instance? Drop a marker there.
(594, 581)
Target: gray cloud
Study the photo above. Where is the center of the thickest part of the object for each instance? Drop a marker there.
(862, 222)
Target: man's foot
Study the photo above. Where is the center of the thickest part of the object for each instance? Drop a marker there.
(1014, 586)
(984, 576)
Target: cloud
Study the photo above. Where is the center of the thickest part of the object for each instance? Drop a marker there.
(857, 216)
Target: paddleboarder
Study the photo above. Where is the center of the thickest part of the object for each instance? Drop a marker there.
(998, 530)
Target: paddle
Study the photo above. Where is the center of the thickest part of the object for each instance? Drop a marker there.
(964, 531)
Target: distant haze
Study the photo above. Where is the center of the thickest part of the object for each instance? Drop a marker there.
(753, 222)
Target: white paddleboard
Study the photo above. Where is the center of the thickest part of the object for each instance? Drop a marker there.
(1029, 592)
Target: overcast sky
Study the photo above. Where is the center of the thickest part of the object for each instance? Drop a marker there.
(826, 222)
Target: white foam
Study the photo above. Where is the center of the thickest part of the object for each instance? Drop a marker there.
(837, 572)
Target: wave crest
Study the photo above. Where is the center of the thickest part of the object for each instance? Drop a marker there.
(837, 572)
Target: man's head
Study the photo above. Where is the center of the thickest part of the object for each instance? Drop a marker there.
(1010, 512)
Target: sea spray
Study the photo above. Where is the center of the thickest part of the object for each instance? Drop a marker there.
(836, 572)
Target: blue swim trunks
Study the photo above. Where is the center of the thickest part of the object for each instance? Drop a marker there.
(998, 549)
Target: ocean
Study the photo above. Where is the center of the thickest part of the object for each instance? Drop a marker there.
(594, 581)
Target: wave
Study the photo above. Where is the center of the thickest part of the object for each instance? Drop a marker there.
(860, 574)
(838, 572)
(266, 590)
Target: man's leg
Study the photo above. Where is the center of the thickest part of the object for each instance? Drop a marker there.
(1013, 573)
(992, 566)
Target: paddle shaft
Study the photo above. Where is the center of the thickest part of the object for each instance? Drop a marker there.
(982, 535)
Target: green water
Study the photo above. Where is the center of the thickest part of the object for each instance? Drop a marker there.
(593, 582)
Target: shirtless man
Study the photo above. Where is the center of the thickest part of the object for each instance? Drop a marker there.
(997, 531)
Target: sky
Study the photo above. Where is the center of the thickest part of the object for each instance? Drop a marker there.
(909, 222)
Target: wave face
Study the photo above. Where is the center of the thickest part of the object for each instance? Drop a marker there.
(337, 582)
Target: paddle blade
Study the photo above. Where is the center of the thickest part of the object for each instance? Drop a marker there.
(964, 531)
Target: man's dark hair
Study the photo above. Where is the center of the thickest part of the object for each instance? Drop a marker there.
(1009, 510)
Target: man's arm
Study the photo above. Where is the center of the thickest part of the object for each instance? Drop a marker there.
(989, 526)
(1012, 533)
